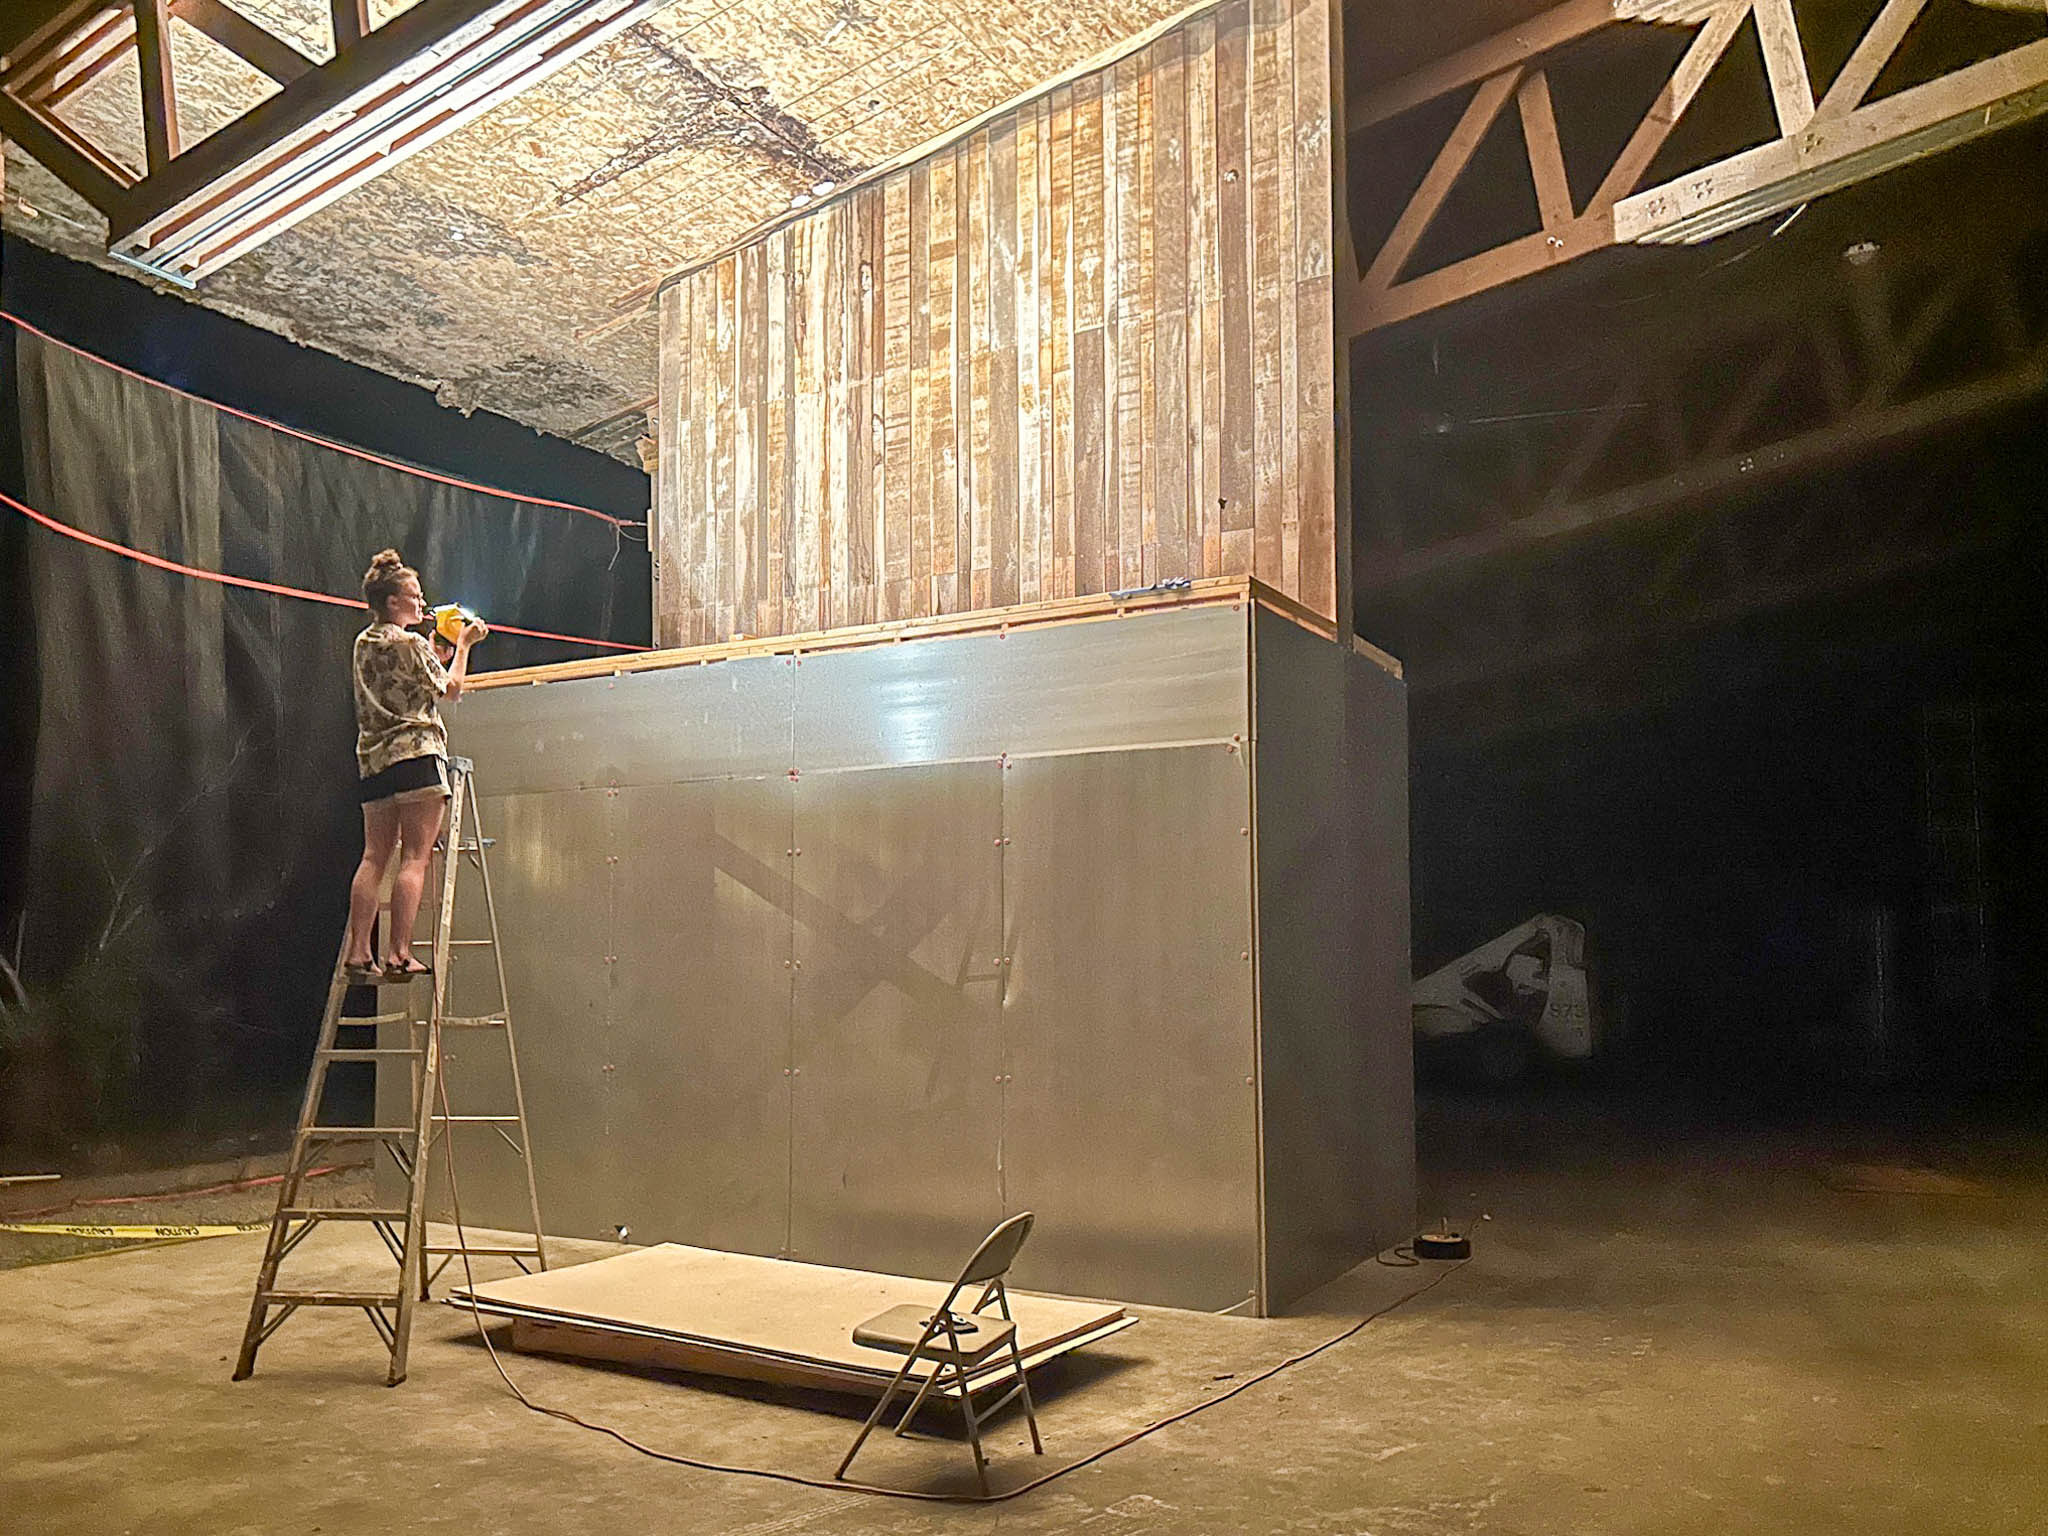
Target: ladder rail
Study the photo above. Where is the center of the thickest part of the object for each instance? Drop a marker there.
(511, 1047)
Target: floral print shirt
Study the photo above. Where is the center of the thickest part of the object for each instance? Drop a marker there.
(398, 686)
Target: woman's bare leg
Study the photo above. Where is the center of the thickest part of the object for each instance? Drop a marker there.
(380, 837)
(419, 822)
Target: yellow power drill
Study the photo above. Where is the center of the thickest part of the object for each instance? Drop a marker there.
(449, 619)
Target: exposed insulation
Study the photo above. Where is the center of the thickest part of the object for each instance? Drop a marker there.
(1086, 348)
(505, 262)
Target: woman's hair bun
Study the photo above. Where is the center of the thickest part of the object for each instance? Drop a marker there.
(381, 582)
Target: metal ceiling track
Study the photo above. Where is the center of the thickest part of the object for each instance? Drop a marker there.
(1822, 142)
(386, 93)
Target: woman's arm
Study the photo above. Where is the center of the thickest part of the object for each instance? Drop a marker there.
(472, 632)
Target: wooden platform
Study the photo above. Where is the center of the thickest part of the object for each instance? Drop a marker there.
(733, 1314)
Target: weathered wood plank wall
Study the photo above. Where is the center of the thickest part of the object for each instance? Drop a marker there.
(1088, 347)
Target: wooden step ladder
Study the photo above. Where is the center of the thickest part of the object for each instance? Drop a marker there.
(411, 1145)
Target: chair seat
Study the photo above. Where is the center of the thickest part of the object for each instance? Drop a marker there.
(898, 1330)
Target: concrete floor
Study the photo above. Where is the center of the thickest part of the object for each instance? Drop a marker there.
(1658, 1334)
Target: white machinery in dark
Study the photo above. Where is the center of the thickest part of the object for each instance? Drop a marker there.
(1495, 1009)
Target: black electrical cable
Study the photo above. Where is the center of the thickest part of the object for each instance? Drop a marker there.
(840, 1485)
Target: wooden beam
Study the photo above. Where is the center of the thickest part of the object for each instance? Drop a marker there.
(1546, 154)
(1098, 607)
(57, 70)
(1504, 50)
(1449, 164)
(1785, 64)
(76, 162)
(1738, 471)
(351, 23)
(1873, 52)
(1839, 151)
(30, 26)
(159, 86)
(1373, 308)
(1670, 105)
(242, 37)
(1344, 284)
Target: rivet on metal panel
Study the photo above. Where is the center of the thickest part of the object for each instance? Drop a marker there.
(796, 965)
(1247, 1082)
(787, 964)
(785, 1071)
(1244, 954)
(796, 1071)
(1230, 747)
(611, 858)
(1244, 831)
(611, 959)
(793, 773)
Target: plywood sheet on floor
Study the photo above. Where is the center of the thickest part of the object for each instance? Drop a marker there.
(737, 1314)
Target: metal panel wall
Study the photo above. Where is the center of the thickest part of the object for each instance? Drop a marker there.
(697, 1036)
(681, 723)
(1330, 758)
(729, 1042)
(1141, 680)
(898, 901)
(1128, 1118)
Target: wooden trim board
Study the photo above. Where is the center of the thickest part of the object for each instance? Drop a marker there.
(1206, 592)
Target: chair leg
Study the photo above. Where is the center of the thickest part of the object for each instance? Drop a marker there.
(973, 1427)
(1024, 1388)
(903, 1424)
(875, 1418)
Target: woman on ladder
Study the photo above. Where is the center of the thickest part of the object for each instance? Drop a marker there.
(402, 757)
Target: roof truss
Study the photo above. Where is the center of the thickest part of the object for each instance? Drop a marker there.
(385, 94)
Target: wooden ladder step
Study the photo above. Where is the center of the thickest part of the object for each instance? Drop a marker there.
(487, 1021)
(366, 1053)
(486, 1250)
(366, 1020)
(341, 1213)
(330, 1298)
(476, 1119)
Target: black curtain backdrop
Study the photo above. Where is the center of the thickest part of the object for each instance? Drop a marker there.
(179, 790)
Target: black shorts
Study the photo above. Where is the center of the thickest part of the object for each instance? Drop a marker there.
(413, 778)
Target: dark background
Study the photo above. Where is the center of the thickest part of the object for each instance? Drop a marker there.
(179, 836)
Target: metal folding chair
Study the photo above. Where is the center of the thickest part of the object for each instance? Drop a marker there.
(956, 1342)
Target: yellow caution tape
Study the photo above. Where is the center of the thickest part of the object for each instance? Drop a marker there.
(75, 1230)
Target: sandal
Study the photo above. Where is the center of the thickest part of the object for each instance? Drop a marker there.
(411, 968)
